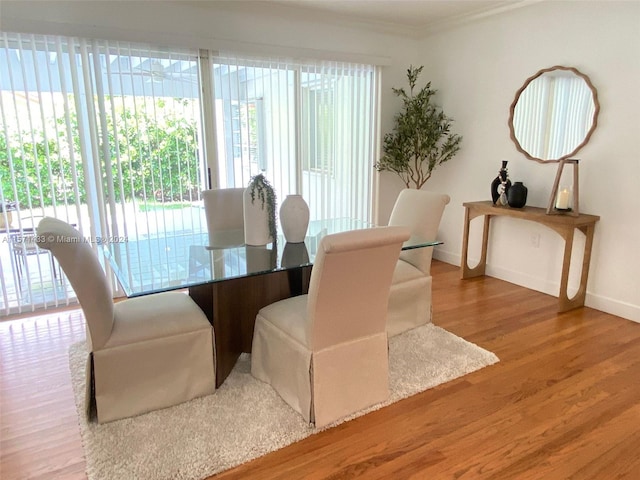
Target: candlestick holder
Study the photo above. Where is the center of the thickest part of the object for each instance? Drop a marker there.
(561, 201)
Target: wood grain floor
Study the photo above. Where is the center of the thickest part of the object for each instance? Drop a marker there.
(563, 403)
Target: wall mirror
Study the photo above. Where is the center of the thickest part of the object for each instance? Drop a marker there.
(554, 114)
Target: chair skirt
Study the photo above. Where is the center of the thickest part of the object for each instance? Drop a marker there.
(158, 373)
(326, 385)
(409, 305)
(283, 363)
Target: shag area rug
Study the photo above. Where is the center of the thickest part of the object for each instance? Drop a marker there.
(246, 418)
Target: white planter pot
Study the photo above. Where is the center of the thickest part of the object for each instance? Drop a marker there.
(256, 221)
(294, 218)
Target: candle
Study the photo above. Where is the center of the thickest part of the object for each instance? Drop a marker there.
(562, 202)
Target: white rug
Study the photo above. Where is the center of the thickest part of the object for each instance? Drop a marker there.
(246, 418)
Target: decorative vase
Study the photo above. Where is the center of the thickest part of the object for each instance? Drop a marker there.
(517, 195)
(500, 186)
(256, 220)
(294, 218)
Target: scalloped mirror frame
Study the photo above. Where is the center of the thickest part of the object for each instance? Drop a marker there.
(587, 136)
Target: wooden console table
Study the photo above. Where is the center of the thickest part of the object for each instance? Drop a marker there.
(564, 225)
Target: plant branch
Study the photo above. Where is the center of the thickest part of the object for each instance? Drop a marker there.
(421, 139)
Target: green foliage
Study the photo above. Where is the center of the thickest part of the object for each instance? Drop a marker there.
(38, 181)
(151, 206)
(158, 159)
(260, 187)
(421, 138)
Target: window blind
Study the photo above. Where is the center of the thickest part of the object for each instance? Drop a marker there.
(111, 137)
(308, 126)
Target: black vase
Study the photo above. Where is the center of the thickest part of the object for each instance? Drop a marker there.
(500, 186)
(517, 195)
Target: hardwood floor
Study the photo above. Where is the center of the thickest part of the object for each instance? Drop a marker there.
(563, 403)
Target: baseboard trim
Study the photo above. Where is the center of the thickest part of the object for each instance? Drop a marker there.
(597, 302)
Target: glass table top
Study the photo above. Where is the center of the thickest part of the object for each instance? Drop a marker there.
(182, 260)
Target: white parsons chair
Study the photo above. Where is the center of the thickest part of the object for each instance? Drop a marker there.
(326, 352)
(146, 353)
(410, 297)
(224, 211)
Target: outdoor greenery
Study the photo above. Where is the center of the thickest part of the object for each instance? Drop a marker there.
(158, 160)
(421, 139)
(31, 169)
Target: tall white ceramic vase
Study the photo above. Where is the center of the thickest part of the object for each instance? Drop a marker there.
(256, 220)
(294, 218)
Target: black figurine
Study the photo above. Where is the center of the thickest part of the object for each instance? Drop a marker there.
(500, 186)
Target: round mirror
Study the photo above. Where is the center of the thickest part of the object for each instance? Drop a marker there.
(554, 114)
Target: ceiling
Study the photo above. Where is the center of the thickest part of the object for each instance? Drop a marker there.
(409, 17)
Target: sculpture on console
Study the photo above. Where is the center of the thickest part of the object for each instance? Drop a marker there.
(500, 186)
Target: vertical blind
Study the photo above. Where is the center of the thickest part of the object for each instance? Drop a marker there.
(149, 116)
(100, 134)
(111, 137)
(41, 170)
(309, 127)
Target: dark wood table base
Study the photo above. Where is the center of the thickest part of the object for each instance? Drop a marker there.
(231, 307)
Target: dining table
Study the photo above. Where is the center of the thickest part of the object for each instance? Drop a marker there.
(230, 280)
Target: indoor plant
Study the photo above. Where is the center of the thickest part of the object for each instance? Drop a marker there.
(260, 189)
(421, 138)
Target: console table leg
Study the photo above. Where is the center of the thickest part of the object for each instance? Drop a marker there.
(479, 269)
(564, 303)
(464, 271)
(588, 231)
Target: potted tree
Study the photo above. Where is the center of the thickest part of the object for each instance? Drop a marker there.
(259, 205)
(421, 139)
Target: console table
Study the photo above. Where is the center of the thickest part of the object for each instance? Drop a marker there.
(564, 225)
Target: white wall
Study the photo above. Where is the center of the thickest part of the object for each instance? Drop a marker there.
(477, 69)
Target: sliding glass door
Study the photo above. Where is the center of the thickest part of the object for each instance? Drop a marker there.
(41, 167)
(103, 135)
(308, 127)
(120, 139)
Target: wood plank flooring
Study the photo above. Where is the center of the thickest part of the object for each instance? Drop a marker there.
(563, 403)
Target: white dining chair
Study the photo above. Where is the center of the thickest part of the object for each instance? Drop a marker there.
(410, 294)
(224, 213)
(326, 352)
(144, 353)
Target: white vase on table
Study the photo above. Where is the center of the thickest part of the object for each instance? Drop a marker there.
(294, 218)
(256, 220)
